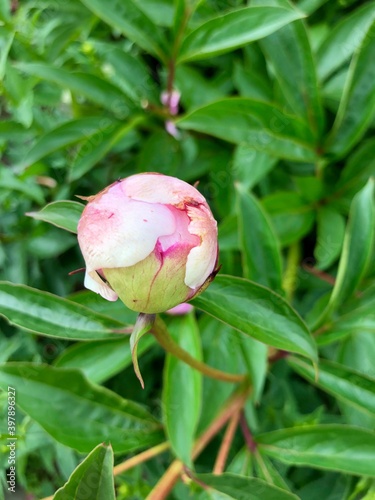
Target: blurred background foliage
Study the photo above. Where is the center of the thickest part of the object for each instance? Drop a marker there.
(275, 120)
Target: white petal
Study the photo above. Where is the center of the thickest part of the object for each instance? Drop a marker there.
(117, 232)
(94, 283)
(201, 259)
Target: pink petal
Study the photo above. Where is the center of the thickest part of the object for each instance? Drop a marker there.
(201, 259)
(181, 234)
(158, 188)
(115, 231)
(181, 309)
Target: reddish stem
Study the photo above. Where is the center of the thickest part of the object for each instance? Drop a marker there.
(251, 444)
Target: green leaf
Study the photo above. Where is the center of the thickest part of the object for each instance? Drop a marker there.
(255, 355)
(261, 125)
(261, 259)
(92, 152)
(228, 234)
(5, 11)
(332, 336)
(6, 40)
(159, 11)
(357, 106)
(357, 351)
(196, 91)
(257, 312)
(128, 18)
(221, 350)
(244, 488)
(291, 216)
(94, 474)
(343, 383)
(9, 130)
(334, 447)
(359, 167)
(234, 29)
(46, 314)
(361, 319)
(63, 214)
(155, 152)
(182, 389)
(250, 166)
(333, 89)
(250, 83)
(90, 86)
(331, 231)
(50, 243)
(127, 72)
(310, 6)
(77, 413)
(266, 470)
(344, 39)
(357, 247)
(11, 182)
(242, 463)
(290, 54)
(102, 359)
(115, 310)
(65, 135)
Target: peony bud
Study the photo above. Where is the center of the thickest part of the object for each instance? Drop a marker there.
(149, 239)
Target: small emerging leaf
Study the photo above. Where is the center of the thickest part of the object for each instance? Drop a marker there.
(142, 326)
(63, 214)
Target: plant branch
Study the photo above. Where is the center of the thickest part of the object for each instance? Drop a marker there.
(279, 354)
(290, 275)
(167, 482)
(251, 444)
(175, 49)
(226, 443)
(319, 274)
(161, 334)
(140, 458)
(322, 329)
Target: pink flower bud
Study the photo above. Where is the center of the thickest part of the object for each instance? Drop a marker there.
(149, 239)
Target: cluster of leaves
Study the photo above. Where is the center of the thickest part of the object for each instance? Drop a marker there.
(276, 110)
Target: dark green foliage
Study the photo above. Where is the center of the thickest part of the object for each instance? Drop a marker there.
(275, 121)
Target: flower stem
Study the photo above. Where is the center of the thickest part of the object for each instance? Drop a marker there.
(251, 444)
(140, 458)
(226, 443)
(161, 334)
(291, 272)
(167, 482)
